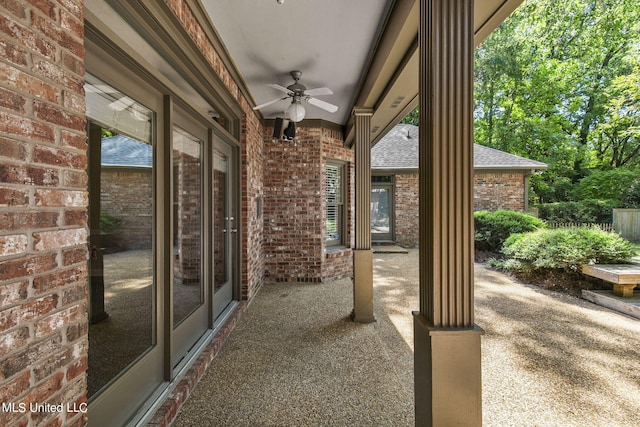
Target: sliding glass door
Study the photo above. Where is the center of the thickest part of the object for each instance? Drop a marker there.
(164, 248)
(125, 346)
(225, 226)
(190, 198)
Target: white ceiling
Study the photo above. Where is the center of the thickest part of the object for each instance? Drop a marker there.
(364, 50)
(330, 41)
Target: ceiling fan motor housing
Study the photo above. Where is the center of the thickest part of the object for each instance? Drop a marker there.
(296, 87)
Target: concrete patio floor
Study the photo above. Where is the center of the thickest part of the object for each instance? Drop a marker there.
(295, 358)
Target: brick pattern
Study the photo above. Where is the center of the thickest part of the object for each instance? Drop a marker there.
(43, 201)
(294, 206)
(493, 191)
(339, 263)
(128, 196)
(253, 263)
(188, 199)
(293, 241)
(407, 210)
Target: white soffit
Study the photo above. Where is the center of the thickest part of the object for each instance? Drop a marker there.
(330, 41)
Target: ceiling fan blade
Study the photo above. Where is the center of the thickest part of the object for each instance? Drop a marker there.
(318, 91)
(280, 88)
(324, 105)
(266, 104)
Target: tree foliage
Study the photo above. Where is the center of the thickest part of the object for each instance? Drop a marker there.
(559, 82)
(621, 186)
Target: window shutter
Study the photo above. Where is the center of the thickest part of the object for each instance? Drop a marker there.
(333, 184)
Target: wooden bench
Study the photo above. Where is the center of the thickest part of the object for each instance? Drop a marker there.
(624, 277)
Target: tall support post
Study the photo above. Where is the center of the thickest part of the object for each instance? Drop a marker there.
(362, 254)
(447, 342)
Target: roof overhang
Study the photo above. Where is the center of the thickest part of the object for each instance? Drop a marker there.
(390, 86)
(366, 51)
(512, 170)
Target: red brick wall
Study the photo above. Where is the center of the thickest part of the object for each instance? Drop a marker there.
(406, 210)
(338, 263)
(493, 191)
(294, 207)
(43, 201)
(253, 262)
(293, 241)
(128, 195)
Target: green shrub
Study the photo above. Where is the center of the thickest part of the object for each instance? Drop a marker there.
(109, 223)
(565, 248)
(493, 228)
(584, 211)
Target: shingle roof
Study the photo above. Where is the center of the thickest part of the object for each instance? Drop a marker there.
(399, 150)
(120, 150)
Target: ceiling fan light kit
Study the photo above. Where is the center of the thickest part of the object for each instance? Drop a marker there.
(296, 111)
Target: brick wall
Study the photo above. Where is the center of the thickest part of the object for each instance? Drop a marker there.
(294, 207)
(293, 241)
(493, 191)
(253, 262)
(128, 195)
(406, 210)
(338, 263)
(43, 201)
(188, 231)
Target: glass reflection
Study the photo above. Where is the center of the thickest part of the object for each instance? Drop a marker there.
(220, 174)
(187, 232)
(380, 203)
(122, 285)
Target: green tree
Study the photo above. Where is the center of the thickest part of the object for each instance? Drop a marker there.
(616, 140)
(558, 82)
(411, 118)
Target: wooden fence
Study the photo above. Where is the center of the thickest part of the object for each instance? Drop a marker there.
(626, 222)
(604, 226)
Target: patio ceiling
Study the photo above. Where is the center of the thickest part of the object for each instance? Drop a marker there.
(364, 50)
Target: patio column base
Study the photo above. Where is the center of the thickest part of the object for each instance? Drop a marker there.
(363, 286)
(448, 386)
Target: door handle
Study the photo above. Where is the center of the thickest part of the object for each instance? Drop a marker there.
(94, 252)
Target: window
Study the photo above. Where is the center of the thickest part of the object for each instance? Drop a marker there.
(382, 178)
(334, 193)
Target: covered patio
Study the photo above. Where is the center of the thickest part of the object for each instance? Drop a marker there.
(231, 206)
(294, 359)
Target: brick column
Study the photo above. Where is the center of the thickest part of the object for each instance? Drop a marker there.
(362, 254)
(447, 343)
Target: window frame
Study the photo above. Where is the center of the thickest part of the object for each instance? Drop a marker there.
(339, 206)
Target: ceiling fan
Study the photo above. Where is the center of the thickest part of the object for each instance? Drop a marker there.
(297, 92)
